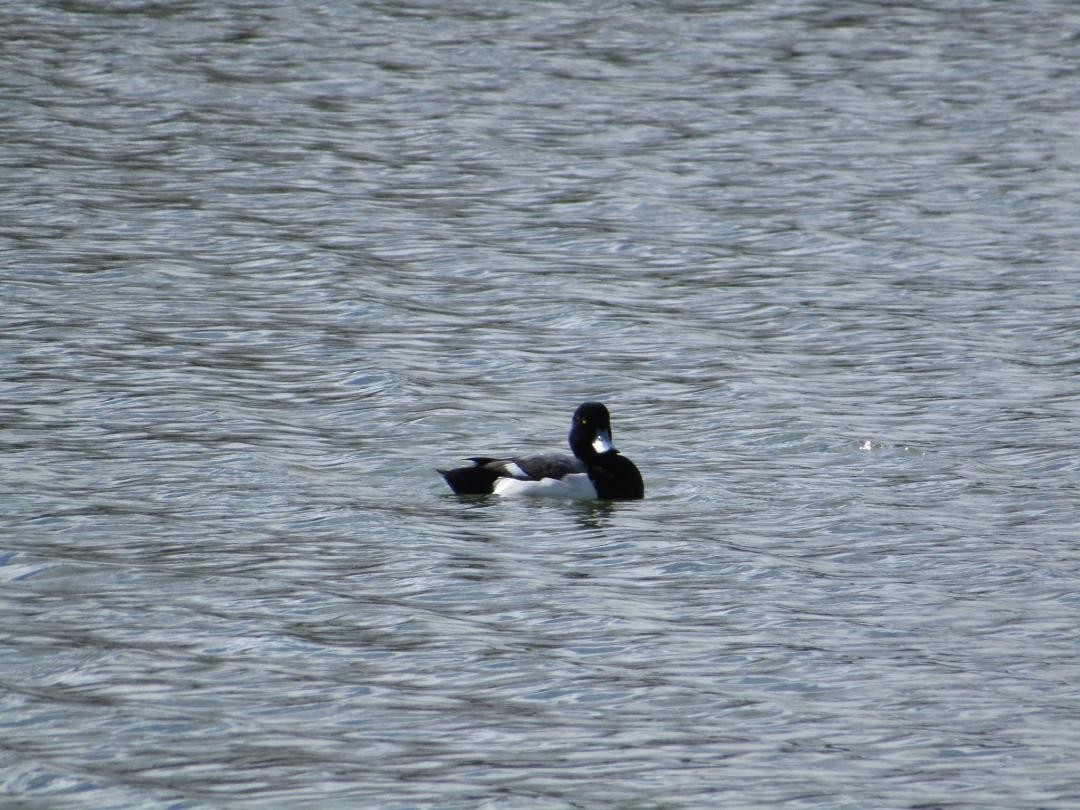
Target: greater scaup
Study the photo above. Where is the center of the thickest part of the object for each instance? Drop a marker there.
(597, 470)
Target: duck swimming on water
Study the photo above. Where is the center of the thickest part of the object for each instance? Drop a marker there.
(596, 470)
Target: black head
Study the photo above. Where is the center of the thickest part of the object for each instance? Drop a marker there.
(614, 476)
(590, 431)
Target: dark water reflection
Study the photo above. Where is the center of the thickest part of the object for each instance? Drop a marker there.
(265, 266)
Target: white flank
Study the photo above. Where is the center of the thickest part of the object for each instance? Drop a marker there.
(575, 485)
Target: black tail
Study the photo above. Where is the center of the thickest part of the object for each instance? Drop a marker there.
(473, 480)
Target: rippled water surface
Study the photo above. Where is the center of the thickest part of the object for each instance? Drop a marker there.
(265, 265)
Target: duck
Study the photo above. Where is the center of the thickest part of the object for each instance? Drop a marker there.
(596, 471)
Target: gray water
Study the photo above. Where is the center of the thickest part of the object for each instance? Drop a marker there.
(265, 265)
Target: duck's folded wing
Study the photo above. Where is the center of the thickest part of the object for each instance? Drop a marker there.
(534, 467)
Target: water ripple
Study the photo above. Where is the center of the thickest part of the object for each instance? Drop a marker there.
(264, 269)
